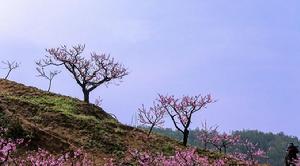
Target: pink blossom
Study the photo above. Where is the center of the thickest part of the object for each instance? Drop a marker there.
(187, 157)
(88, 73)
(182, 110)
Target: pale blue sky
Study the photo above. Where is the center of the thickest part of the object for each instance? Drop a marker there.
(244, 52)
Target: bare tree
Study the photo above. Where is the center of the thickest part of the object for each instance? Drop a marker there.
(88, 73)
(153, 117)
(98, 101)
(10, 66)
(182, 110)
(50, 76)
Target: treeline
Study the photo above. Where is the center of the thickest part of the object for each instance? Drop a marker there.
(274, 145)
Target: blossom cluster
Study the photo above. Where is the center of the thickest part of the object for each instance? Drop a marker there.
(187, 157)
(43, 157)
(223, 141)
(183, 108)
(8, 148)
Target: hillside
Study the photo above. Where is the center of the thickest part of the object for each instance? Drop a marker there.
(59, 123)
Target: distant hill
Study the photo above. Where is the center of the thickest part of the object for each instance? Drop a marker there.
(274, 144)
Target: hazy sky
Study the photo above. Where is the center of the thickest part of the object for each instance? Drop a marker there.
(244, 52)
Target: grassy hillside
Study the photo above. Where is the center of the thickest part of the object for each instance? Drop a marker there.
(60, 123)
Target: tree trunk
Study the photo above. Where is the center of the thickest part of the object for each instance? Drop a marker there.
(49, 87)
(185, 136)
(151, 128)
(86, 95)
(7, 75)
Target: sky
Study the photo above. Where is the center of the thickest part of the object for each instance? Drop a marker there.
(243, 52)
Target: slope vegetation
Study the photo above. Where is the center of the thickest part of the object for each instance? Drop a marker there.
(60, 123)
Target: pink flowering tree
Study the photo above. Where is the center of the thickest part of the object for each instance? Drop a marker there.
(223, 141)
(10, 66)
(253, 152)
(206, 134)
(88, 73)
(245, 151)
(182, 110)
(152, 116)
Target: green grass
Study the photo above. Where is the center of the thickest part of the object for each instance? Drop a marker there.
(63, 105)
(60, 104)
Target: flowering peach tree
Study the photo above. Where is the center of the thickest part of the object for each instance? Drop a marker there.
(241, 150)
(88, 73)
(253, 152)
(206, 134)
(223, 141)
(182, 110)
